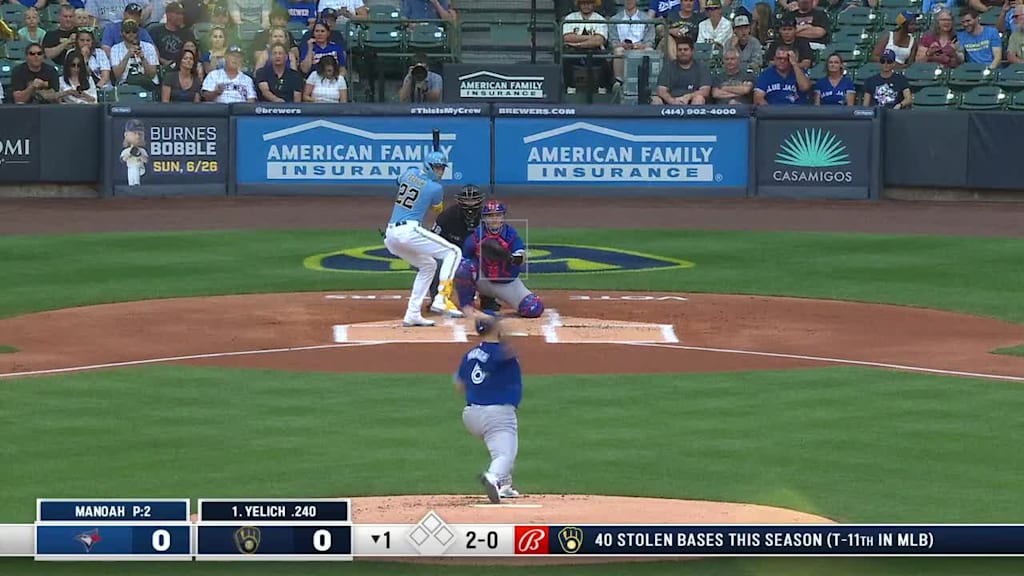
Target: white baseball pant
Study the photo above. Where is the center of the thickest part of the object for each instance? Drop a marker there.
(421, 248)
(498, 426)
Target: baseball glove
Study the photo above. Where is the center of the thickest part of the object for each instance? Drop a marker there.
(491, 249)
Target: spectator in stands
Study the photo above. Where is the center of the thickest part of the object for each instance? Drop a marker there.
(420, 83)
(76, 85)
(195, 11)
(635, 35)
(980, 44)
(193, 46)
(133, 61)
(182, 84)
(684, 81)
(750, 49)
(34, 81)
(254, 12)
(229, 84)
(714, 29)
(812, 24)
(427, 10)
(734, 84)
(346, 10)
(278, 82)
(887, 89)
(170, 38)
(216, 49)
(31, 32)
(982, 6)
(325, 85)
(787, 38)
(303, 11)
(902, 41)
(83, 19)
(112, 31)
(1006, 25)
(661, 9)
(1015, 51)
(783, 83)
(836, 88)
(682, 23)
(319, 46)
(99, 63)
(57, 42)
(114, 11)
(940, 45)
(330, 17)
(278, 19)
(277, 36)
(584, 32)
(763, 24)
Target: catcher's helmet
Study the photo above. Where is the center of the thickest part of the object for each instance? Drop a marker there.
(470, 195)
(433, 159)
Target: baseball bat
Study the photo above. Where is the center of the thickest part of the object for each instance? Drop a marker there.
(437, 139)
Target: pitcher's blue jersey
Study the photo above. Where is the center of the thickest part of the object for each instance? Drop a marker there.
(417, 193)
(492, 375)
(500, 272)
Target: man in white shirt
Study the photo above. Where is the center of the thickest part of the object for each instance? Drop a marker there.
(346, 9)
(132, 61)
(582, 32)
(229, 84)
(635, 35)
(715, 29)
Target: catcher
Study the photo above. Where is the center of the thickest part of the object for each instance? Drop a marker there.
(492, 257)
(455, 225)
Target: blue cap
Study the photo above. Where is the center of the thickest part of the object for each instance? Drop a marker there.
(485, 325)
(887, 55)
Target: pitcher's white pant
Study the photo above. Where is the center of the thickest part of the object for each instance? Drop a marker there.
(421, 248)
(498, 426)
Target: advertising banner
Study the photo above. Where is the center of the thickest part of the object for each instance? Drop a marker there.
(354, 154)
(661, 155)
(160, 155)
(502, 83)
(20, 148)
(815, 156)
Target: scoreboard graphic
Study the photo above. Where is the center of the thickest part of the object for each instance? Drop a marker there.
(322, 529)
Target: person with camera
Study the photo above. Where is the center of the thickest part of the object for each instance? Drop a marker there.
(132, 61)
(420, 84)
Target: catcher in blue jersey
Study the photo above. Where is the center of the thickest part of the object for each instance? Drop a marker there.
(492, 257)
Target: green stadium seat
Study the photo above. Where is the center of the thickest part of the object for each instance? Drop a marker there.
(428, 37)
(383, 12)
(982, 98)
(819, 70)
(202, 31)
(13, 14)
(851, 53)
(864, 72)
(969, 75)
(510, 34)
(128, 93)
(1011, 78)
(383, 37)
(851, 35)
(7, 69)
(924, 74)
(353, 33)
(989, 18)
(862, 17)
(16, 49)
(901, 5)
(1016, 102)
(888, 17)
(51, 14)
(934, 97)
(247, 31)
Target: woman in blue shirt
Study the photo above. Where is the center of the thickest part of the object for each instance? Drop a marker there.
(836, 88)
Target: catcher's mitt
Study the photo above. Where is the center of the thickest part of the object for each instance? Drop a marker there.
(491, 249)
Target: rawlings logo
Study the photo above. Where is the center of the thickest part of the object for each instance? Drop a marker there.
(531, 540)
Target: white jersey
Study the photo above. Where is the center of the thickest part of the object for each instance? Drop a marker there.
(237, 89)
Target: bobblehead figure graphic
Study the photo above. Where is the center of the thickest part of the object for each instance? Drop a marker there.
(490, 378)
(134, 155)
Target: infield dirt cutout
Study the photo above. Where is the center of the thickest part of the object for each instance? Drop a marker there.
(592, 333)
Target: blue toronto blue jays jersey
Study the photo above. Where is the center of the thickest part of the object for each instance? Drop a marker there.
(492, 376)
(500, 272)
(416, 194)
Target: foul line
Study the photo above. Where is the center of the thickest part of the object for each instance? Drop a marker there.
(833, 361)
(550, 328)
(179, 358)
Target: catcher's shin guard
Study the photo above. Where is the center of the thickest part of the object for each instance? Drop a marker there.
(465, 282)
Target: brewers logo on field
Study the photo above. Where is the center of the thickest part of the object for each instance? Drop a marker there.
(541, 259)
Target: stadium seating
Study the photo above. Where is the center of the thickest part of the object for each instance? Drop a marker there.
(934, 97)
(127, 93)
(1016, 102)
(13, 14)
(923, 74)
(1011, 78)
(982, 98)
(968, 75)
(864, 72)
(16, 49)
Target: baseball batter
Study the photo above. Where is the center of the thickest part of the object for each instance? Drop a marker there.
(419, 191)
(455, 224)
(492, 258)
(490, 378)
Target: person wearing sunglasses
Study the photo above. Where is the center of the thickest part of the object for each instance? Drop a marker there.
(34, 81)
(76, 85)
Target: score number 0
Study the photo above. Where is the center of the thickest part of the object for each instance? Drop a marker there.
(322, 540)
(161, 540)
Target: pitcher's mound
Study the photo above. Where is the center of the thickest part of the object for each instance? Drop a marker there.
(564, 509)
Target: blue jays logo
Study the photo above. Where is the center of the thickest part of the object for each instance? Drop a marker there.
(88, 539)
(540, 259)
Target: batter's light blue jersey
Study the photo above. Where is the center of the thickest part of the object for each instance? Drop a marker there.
(492, 375)
(416, 194)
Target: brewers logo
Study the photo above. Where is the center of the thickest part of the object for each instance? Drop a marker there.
(247, 539)
(571, 539)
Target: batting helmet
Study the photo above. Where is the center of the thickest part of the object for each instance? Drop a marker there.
(433, 160)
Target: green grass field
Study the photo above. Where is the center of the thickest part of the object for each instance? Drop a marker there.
(856, 445)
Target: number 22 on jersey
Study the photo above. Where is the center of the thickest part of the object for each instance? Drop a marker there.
(407, 196)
